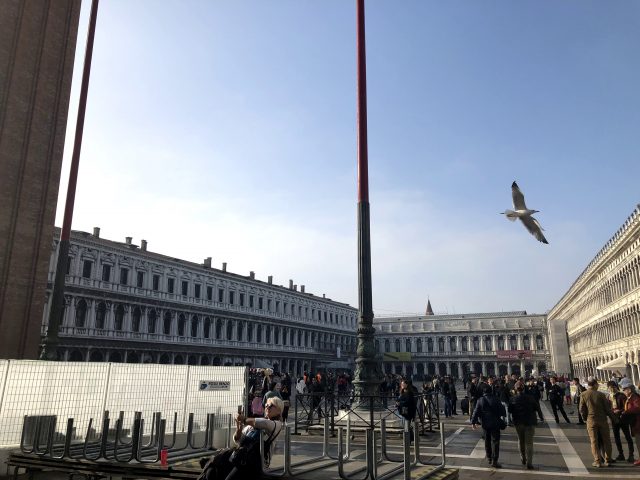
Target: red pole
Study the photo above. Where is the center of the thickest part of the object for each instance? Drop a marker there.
(56, 311)
(363, 154)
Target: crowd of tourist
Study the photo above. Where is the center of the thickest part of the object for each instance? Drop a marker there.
(491, 402)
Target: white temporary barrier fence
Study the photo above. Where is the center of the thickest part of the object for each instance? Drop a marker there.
(84, 390)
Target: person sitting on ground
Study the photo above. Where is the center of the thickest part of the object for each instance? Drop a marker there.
(247, 435)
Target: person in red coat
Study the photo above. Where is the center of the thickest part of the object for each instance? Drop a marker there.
(632, 407)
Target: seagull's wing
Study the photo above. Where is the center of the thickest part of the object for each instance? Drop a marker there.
(518, 197)
(534, 228)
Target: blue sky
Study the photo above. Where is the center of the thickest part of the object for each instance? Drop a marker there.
(228, 129)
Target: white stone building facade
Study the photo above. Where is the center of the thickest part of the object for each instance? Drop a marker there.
(461, 344)
(602, 308)
(127, 304)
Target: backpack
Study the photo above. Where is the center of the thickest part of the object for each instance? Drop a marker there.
(217, 466)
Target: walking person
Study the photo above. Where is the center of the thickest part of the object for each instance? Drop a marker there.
(556, 397)
(454, 398)
(446, 393)
(576, 398)
(618, 399)
(631, 414)
(504, 395)
(523, 408)
(474, 395)
(595, 407)
(488, 412)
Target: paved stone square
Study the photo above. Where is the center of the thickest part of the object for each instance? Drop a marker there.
(560, 451)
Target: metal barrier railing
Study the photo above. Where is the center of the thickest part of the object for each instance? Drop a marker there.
(112, 447)
(334, 406)
(38, 437)
(376, 454)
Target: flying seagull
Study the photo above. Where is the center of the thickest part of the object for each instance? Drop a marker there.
(521, 211)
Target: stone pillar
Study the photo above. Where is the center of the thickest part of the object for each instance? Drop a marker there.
(70, 312)
(484, 368)
(460, 374)
(495, 367)
(509, 368)
(91, 314)
(522, 368)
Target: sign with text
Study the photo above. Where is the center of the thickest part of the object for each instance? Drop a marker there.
(513, 354)
(214, 385)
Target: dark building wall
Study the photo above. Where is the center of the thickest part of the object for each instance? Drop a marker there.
(37, 48)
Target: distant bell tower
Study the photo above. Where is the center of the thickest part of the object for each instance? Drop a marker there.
(429, 309)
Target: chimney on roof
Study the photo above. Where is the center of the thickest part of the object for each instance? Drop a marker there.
(96, 232)
(295, 287)
(302, 288)
(128, 240)
(252, 275)
(224, 266)
(290, 284)
(324, 296)
(143, 245)
(270, 279)
(429, 309)
(207, 262)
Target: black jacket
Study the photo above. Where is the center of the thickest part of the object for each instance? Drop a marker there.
(488, 412)
(556, 394)
(523, 409)
(407, 405)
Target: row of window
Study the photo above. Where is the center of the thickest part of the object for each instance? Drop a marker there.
(241, 299)
(214, 329)
(614, 327)
(504, 343)
(619, 285)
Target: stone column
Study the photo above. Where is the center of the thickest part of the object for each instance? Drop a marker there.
(484, 368)
(522, 367)
(495, 366)
(70, 312)
(509, 368)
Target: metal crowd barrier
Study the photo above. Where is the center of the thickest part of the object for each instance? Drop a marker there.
(376, 454)
(135, 451)
(110, 444)
(334, 405)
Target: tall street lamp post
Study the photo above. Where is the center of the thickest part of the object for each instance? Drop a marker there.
(368, 374)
